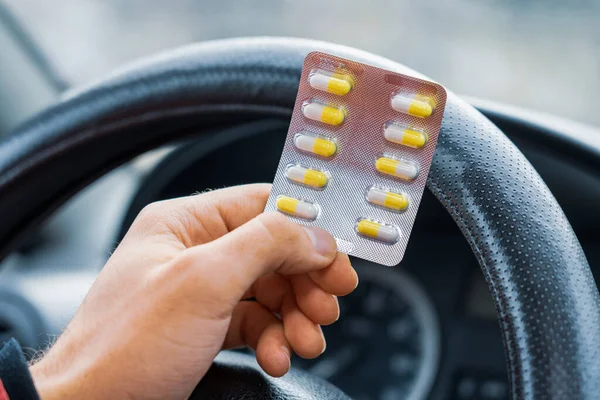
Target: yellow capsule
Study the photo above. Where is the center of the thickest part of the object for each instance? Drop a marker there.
(297, 208)
(403, 169)
(376, 230)
(385, 198)
(306, 176)
(326, 113)
(332, 82)
(405, 135)
(412, 104)
(427, 99)
(315, 144)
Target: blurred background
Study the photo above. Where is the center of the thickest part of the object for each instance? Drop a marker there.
(542, 54)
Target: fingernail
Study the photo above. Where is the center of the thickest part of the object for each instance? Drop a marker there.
(320, 331)
(338, 308)
(357, 280)
(286, 353)
(322, 241)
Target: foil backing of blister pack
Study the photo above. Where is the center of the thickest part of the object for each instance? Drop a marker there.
(360, 140)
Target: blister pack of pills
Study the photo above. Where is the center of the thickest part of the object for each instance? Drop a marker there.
(357, 154)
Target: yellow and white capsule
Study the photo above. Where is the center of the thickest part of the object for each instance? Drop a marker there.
(336, 82)
(388, 199)
(315, 144)
(376, 230)
(306, 176)
(297, 208)
(402, 169)
(413, 104)
(324, 112)
(405, 135)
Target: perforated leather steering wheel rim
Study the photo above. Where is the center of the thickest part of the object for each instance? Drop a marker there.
(547, 302)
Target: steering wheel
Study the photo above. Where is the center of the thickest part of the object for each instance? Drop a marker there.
(545, 296)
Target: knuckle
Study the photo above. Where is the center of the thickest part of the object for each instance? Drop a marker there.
(164, 217)
(148, 222)
(151, 215)
(151, 210)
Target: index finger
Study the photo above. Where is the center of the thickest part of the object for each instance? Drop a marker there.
(207, 216)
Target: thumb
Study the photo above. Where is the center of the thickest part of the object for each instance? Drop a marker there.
(268, 243)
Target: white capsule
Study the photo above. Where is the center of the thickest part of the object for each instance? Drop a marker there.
(376, 196)
(388, 199)
(297, 208)
(296, 173)
(412, 104)
(332, 82)
(404, 134)
(323, 112)
(399, 168)
(315, 144)
(376, 230)
(306, 176)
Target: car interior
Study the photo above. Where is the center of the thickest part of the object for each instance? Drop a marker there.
(496, 297)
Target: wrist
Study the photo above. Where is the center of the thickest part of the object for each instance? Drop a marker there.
(55, 379)
(48, 385)
(61, 375)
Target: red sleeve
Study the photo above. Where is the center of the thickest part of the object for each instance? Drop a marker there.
(3, 394)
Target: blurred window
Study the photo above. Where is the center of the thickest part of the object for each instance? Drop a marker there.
(542, 54)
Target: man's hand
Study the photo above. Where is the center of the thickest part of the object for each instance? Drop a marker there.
(169, 299)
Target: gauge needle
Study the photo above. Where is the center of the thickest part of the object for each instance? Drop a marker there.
(330, 365)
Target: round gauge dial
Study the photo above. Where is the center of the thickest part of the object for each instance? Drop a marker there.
(386, 342)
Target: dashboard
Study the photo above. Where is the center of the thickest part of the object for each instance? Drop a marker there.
(426, 328)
